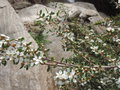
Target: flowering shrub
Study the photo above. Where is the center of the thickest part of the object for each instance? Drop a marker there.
(96, 59)
(95, 64)
(18, 51)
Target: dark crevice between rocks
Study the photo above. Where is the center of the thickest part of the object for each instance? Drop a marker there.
(104, 6)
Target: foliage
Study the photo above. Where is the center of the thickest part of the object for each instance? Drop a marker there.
(95, 64)
(96, 56)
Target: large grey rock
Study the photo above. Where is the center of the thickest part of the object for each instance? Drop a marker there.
(21, 5)
(11, 77)
(30, 14)
(85, 11)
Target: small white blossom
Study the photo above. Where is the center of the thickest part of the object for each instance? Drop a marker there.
(72, 73)
(110, 29)
(94, 47)
(91, 40)
(104, 44)
(66, 75)
(74, 80)
(60, 83)
(86, 37)
(118, 82)
(99, 87)
(59, 74)
(38, 60)
(118, 29)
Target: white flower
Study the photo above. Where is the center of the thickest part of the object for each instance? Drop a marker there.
(83, 83)
(100, 51)
(38, 60)
(118, 65)
(65, 75)
(99, 87)
(94, 47)
(60, 83)
(31, 64)
(117, 40)
(59, 74)
(72, 73)
(62, 75)
(91, 40)
(118, 29)
(86, 37)
(118, 82)
(104, 44)
(74, 80)
(110, 29)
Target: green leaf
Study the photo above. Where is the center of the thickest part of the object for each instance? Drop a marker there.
(29, 43)
(58, 13)
(4, 62)
(21, 39)
(52, 13)
(40, 12)
(43, 15)
(48, 68)
(22, 65)
(27, 67)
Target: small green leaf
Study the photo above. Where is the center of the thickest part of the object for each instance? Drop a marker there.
(52, 13)
(40, 12)
(48, 68)
(43, 15)
(29, 43)
(22, 65)
(4, 62)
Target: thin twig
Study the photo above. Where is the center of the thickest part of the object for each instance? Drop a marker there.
(60, 64)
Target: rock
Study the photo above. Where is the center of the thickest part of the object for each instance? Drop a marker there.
(85, 11)
(30, 14)
(21, 5)
(16, 1)
(11, 77)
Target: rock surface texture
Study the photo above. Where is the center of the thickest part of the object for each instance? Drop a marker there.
(11, 77)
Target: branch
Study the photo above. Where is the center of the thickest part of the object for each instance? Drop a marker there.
(60, 64)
